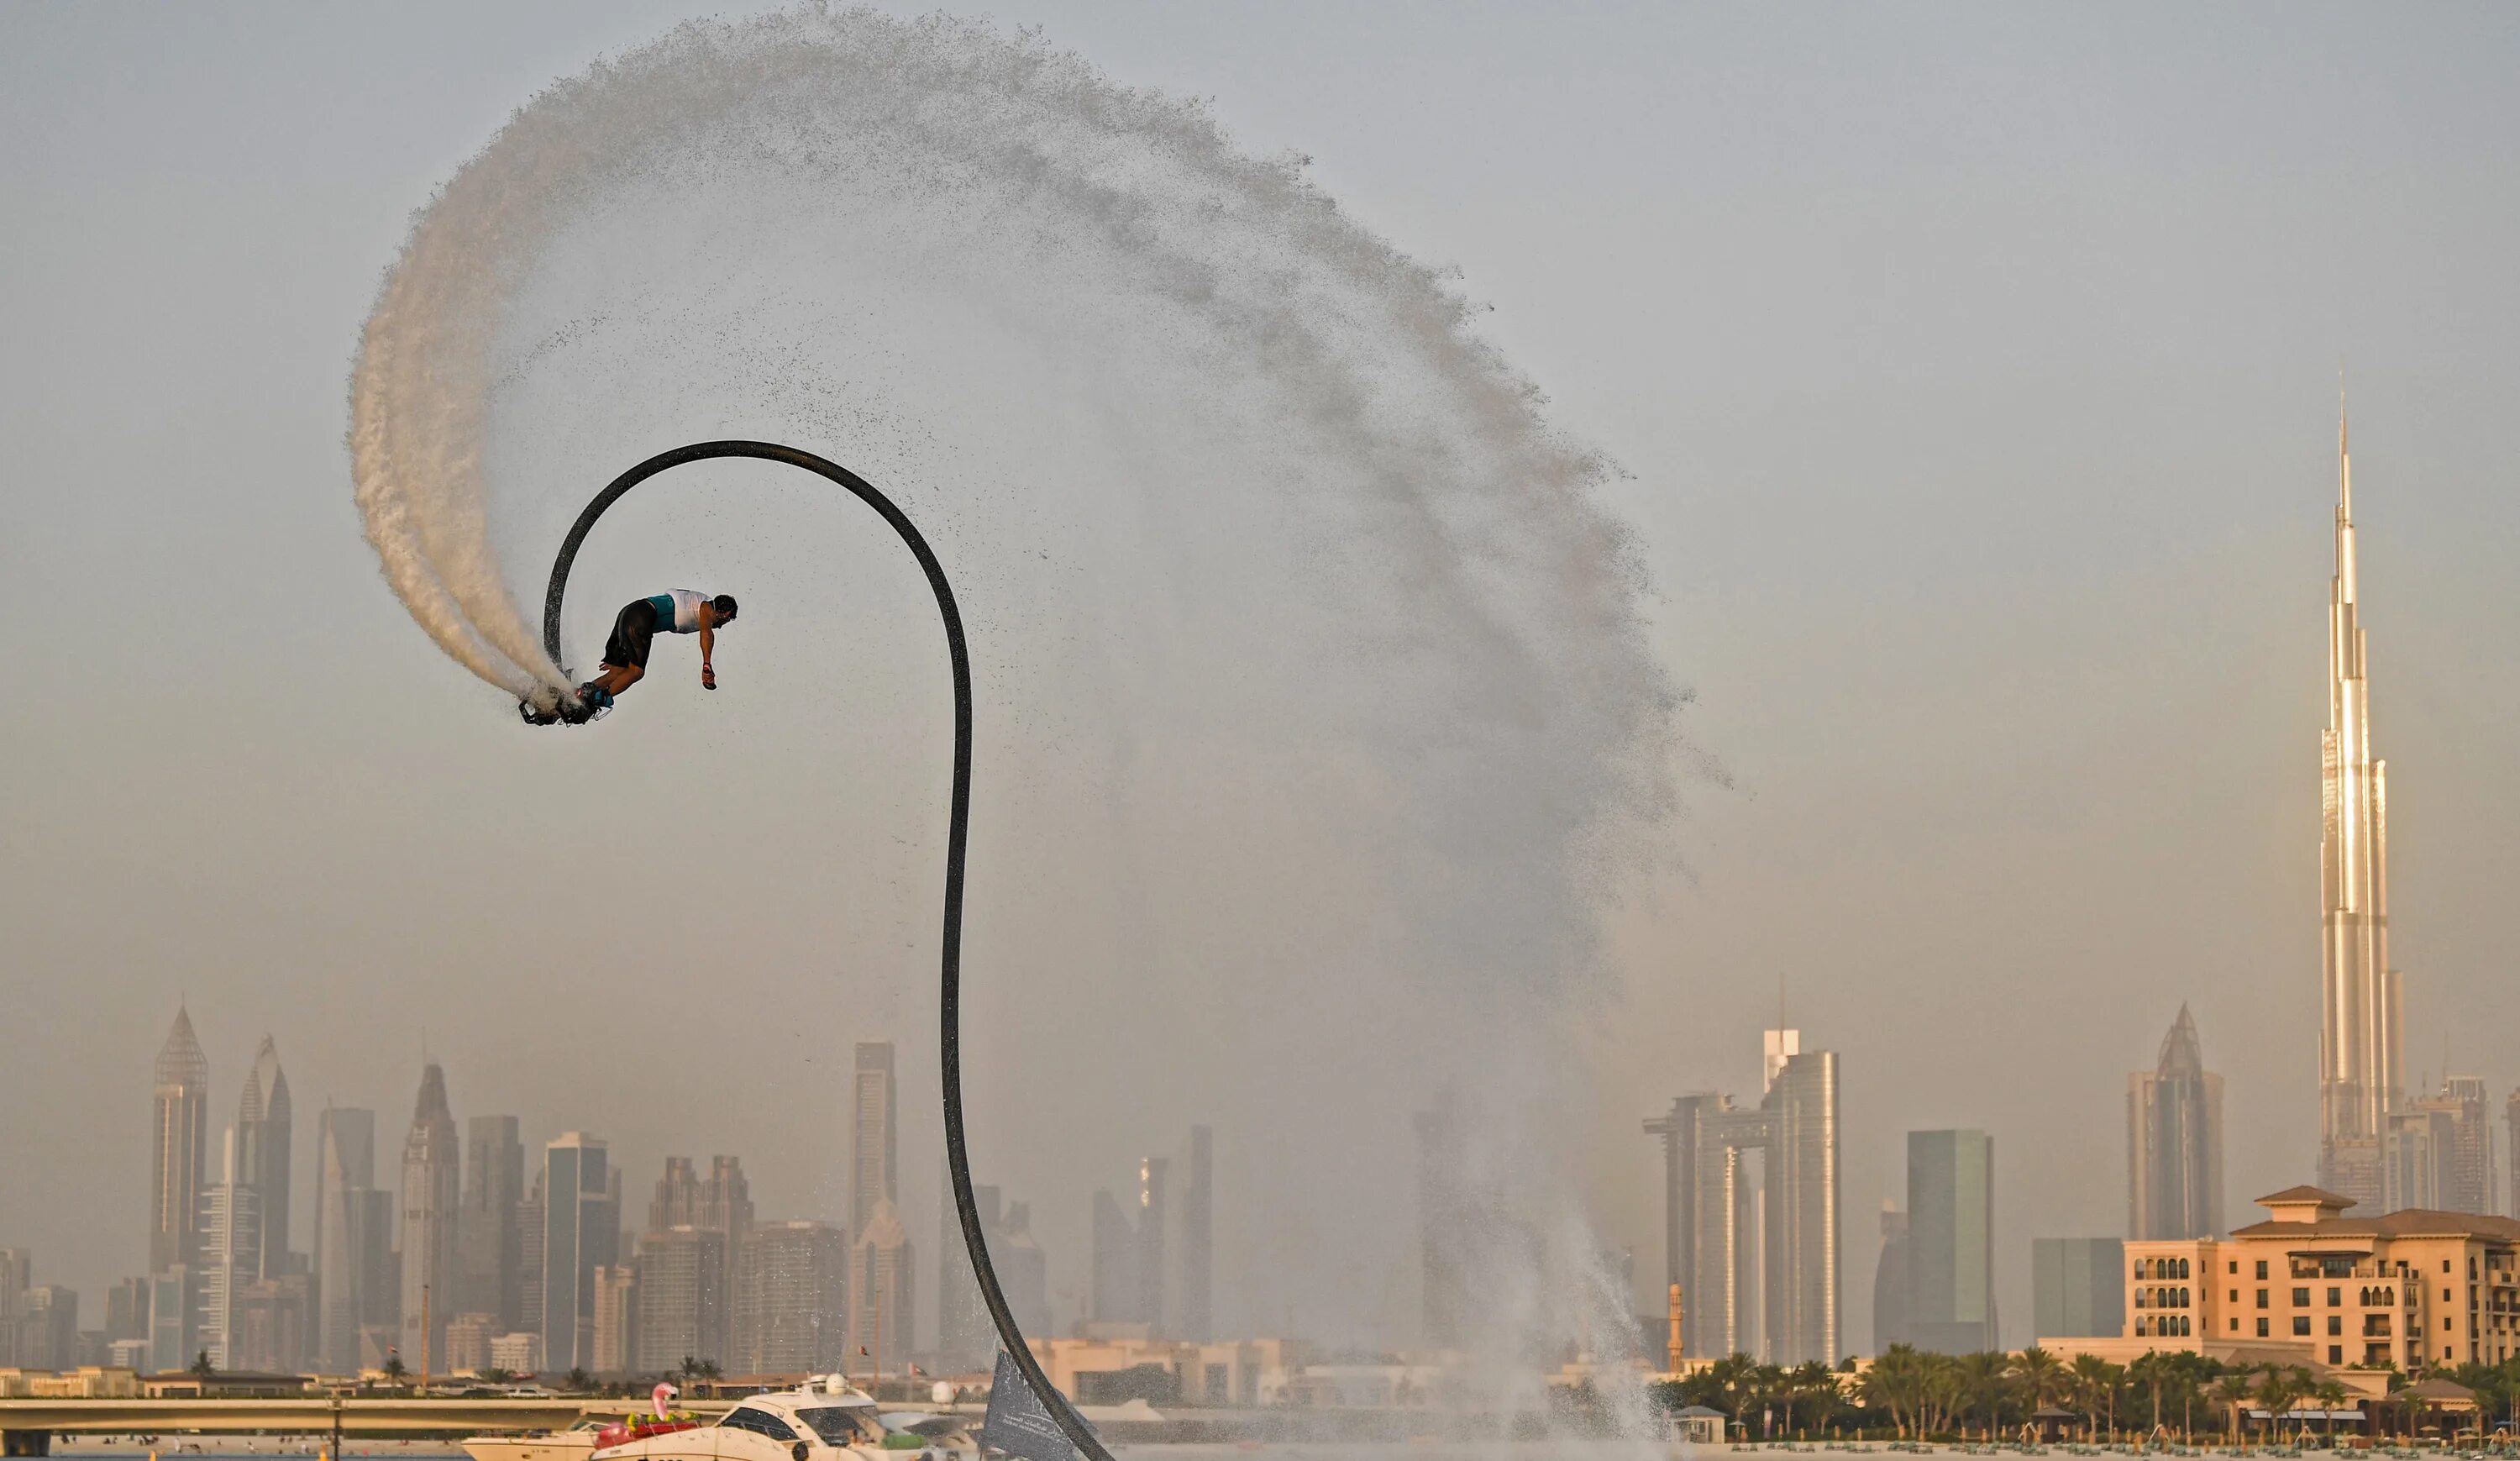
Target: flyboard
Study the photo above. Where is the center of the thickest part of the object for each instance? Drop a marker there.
(568, 708)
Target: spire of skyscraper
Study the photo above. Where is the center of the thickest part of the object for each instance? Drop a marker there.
(180, 1153)
(432, 1166)
(2174, 1141)
(2360, 1057)
(262, 1156)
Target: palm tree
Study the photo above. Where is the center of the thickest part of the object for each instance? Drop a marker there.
(2278, 1392)
(2231, 1392)
(1892, 1384)
(2332, 1398)
(202, 1368)
(1986, 1383)
(1946, 1389)
(2090, 1379)
(1814, 1381)
(2043, 1377)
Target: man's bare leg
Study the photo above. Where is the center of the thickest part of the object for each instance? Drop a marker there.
(613, 679)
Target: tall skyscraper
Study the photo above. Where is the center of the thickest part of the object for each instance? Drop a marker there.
(872, 1168)
(882, 1295)
(262, 1156)
(1023, 1272)
(614, 1332)
(1890, 1281)
(2511, 1130)
(179, 1156)
(1758, 1250)
(345, 1173)
(965, 1337)
(721, 1202)
(1950, 1242)
(433, 1177)
(682, 1295)
(1804, 1240)
(1192, 1284)
(231, 1250)
(489, 1241)
(2174, 1142)
(2361, 1047)
(791, 1311)
(581, 1233)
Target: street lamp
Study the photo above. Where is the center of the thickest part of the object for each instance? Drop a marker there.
(957, 841)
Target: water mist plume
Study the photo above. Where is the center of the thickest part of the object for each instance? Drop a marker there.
(1325, 660)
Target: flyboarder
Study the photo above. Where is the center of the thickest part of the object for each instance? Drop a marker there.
(625, 654)
(684, 610)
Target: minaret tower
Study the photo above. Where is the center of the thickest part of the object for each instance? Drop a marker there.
(2361, 1056)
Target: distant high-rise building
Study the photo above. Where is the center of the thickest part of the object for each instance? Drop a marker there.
(2511, 1129)
(490, 1238)
(2454, 1172)
(1950, 1242)
(1023, 1272)
(231, 1251)
(721, 1202)
(273, 1326)
(179, 1156)
(432, 1191)
(792, 1308)
(345, 1252)
(1890, 1281)
(964, 1336)
(2362, 1060)
(2078, 1287)
(529, 1253)
(882, 1295)
(174, 1317)
(1759, 1261)
(581, 1233)
(1803, 1239)
(682, 1295)
(44, 1335)
(1153, 1252)
(126, 1310)
(2173, 1143)
(262, 1156)
(1194, 1286)
(1116, 1274)
(872, 1174)
(613, 1333)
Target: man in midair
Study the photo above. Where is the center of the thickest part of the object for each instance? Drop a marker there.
(682, 611)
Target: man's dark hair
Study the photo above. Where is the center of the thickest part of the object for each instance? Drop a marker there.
(724, 603)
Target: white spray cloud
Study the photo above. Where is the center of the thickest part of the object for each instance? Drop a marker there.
(1262, 545)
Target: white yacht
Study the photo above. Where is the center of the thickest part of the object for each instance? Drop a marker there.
(827, 1421)
(576, 1443)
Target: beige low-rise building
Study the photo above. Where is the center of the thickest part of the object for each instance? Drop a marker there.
(2407, 1290)
(1227, 1373)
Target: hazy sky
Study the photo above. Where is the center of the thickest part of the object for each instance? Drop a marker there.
(1973, 374)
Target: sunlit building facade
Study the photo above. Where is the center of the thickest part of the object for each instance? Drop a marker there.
(2362, 1022)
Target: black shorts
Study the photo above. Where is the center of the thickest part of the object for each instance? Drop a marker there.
(634, 628)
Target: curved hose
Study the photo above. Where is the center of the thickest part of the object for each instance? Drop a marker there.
(957, 838)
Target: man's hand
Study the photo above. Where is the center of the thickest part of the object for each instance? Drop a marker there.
(709, 678)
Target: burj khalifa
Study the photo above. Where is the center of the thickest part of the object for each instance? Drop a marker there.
(2361, 1056)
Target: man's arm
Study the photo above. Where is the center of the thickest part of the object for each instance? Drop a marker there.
(708, 642)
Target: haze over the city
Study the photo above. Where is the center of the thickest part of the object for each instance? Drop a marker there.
(1971, 377)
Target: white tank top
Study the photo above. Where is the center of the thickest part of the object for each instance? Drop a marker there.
(687, 609)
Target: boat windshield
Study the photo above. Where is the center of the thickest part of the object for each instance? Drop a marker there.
(842, 1425)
